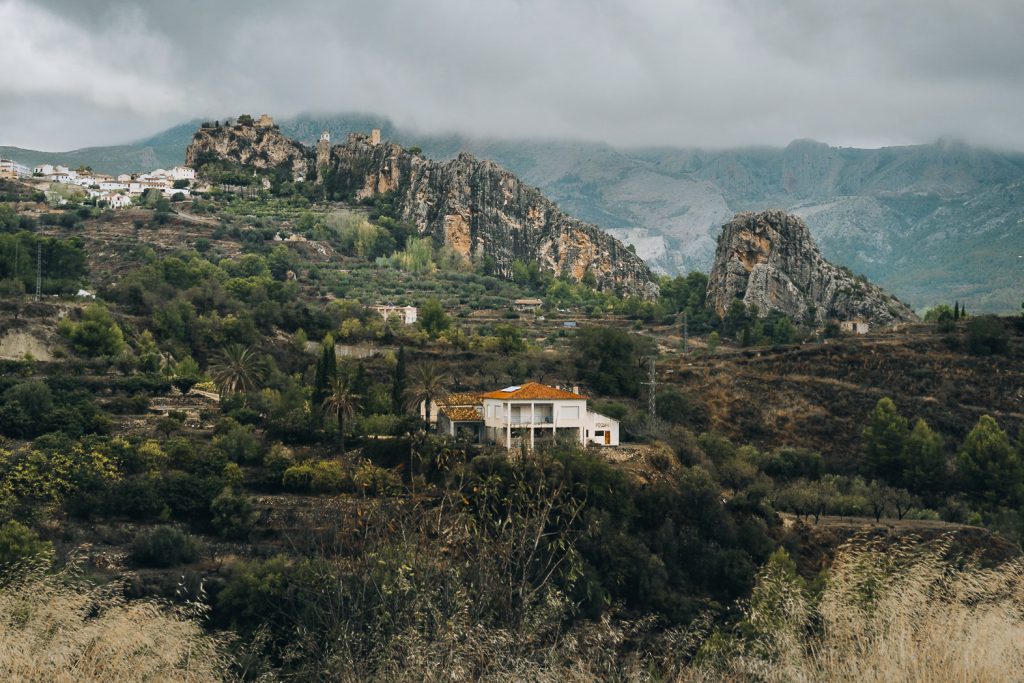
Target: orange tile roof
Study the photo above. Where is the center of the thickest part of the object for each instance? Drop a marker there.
(462, 399)
(533, 391)
(461, 414)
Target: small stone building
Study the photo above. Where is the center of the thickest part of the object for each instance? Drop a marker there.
(856, 326)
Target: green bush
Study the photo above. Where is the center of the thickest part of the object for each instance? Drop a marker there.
(232, 515)
(164, 546)
(377, 481)
(383, 425)
(18, 542)
(239, 444)
(317, 476)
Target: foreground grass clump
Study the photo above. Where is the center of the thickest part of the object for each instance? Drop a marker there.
(884, 614)
(57, 628)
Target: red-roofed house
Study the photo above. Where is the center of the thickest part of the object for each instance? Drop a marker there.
(532, 412)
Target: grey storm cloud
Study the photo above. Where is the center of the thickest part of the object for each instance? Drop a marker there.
(629, 72)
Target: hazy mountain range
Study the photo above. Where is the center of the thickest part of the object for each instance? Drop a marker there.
(930, 223)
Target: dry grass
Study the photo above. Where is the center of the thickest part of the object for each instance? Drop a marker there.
(58, 628)
(898, 614)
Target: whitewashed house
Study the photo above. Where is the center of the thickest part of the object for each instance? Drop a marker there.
(407, 314)
(531, 413)
(183, 173)
(12, 170)
(117, 201)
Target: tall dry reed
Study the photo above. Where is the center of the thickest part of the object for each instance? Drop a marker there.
(907, 613)
(58, 628)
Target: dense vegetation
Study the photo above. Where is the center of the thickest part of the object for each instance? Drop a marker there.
(233, 418)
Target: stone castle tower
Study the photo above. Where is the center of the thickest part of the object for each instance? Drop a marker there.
(375, 136)
(323, 155)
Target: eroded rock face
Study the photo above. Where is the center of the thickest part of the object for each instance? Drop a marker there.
(263, 148)
(482, 210)
(769, 260)
(474, 206)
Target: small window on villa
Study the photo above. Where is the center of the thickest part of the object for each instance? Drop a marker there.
(571, 413)
(598, 432)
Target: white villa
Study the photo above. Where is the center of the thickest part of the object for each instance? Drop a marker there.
(527, 414)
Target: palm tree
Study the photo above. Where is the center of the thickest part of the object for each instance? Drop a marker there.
(428, 384)
(342, 402)
(236, 368)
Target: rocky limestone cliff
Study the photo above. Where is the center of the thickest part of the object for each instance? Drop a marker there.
(474, 206)
(769, 260)
(262, 148)
(482, 210)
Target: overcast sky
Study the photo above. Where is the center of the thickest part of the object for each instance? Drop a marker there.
(628, 72)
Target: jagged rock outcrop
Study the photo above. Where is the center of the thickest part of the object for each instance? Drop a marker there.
(474, 206)
(260, 147)
(769, 260)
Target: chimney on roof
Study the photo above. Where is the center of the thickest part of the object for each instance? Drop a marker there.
(576, 389)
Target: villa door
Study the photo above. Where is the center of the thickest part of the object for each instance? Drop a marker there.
(607, 437)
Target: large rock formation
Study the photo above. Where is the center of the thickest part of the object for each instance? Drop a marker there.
(474, 206)
(769, 260)
(260, 147)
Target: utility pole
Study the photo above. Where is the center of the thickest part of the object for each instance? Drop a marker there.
(652, 387)
(686, 334)
(39, 270)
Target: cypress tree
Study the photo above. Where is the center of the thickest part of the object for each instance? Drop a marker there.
(326, 371)
(956, 310)
(398, 384)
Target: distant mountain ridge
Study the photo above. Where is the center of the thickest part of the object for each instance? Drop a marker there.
(930, 222)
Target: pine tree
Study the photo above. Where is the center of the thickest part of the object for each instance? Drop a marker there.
(884, 438)
(956, 310)
(924, 461)
(991, 468)
(398, 384)
(326, 370)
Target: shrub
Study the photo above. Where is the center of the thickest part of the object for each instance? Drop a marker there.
(18, 542)
(317, 476)
(383, 425)
(377, 481)
(239, 444)
(137, 499)
(164, 546)
(232, 515)
(986, 336)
